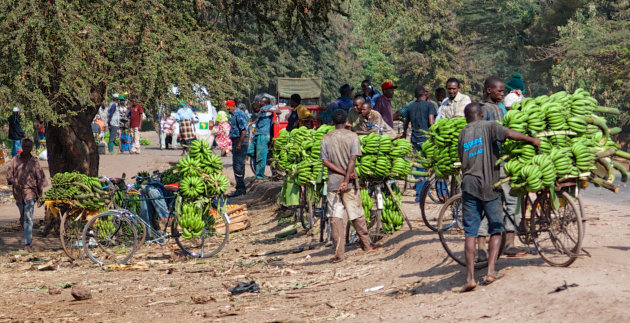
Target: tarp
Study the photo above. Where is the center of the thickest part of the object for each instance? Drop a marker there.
(307, 88)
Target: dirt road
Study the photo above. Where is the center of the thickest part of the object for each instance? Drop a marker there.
(298, 283)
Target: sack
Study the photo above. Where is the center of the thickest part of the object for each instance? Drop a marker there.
(43, 155)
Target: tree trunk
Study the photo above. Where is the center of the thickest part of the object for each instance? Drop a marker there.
(73, 148)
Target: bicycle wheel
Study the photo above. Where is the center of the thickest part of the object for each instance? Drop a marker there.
(252, 164)
(71, 234)
(430, 208)
(557, 233)
(451, 231)
(212, 239)
(110, 238)
(305, 211)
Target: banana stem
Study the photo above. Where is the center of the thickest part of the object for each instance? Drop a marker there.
(601, 123)
(604, 184)
(502, 159)
(607, 110)
(622, 154)
(622, 170)
(419, 173)
(614, 131)
(550, 133)
(605, 153)
(501, 182)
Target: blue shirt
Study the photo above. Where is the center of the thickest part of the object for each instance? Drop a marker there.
(373, 98)
(342, 102)
(184, 113)
(263, 125)
(238, 123)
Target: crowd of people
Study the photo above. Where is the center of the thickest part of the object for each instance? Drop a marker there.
(248, 133)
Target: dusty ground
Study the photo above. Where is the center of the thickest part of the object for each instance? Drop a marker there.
(298, 282)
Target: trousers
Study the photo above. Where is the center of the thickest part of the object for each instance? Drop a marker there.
(26, 219)
(262, 142)
(238, 164)
(135, 134)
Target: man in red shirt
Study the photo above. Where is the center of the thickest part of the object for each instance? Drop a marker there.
(135, 119)
(383, 104)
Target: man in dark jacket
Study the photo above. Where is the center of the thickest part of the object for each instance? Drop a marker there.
(15, 131)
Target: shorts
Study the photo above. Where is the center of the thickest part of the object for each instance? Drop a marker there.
(472, 209)
(341, 203)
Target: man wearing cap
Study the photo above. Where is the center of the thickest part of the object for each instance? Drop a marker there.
(344, 102)
(516, 89)
(383, 104)
(16, 133)
(456, 102)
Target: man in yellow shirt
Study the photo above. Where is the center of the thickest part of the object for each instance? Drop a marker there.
(304, 115)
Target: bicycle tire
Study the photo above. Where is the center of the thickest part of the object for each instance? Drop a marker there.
(554, 231)
(427, 216)
(114, 244)
(215, 239)
(252, 164)
(306, 212)
(71, 235)
(451, 232)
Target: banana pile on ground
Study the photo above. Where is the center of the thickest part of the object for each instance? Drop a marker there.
(297, 153)
(201, 180)
(575, 143)
(392, 218)
(80, 190)
(383, 157)
(439, 151)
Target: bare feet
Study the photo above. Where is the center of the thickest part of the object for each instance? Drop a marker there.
(489, 279)
(374, 247)
(336, 260)
(470, 286)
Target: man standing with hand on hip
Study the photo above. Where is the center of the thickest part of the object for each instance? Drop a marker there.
(27, 179)
(339, 151)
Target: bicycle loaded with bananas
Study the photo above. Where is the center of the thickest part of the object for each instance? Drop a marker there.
(200, 185)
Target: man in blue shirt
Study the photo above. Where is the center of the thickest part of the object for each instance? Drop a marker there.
(261, 140)
(344, 102)
(238, 135)
(369, 93)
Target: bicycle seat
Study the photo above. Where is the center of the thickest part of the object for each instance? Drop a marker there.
(172, 187)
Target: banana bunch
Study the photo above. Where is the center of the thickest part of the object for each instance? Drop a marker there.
(392, 218)
(439, 152)
(105, 227)
(199, 148)
(401, 167)
(189, 166)
(216, 184)
(190, 221)
(575, 143)
(367, 203)
(584, 157)
(401, 148)
(80, 190)
(303, 172)
(191, 187)
(370, 143)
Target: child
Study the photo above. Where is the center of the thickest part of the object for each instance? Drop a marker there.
(478, 151)
(493, 90)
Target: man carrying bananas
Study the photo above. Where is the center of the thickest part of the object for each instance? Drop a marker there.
(339, 151)
(478, 152)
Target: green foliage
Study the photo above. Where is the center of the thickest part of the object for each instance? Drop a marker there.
(594, 53)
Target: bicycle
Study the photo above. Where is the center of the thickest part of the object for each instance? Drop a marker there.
(556, 234)
(113, 237)
(438, 192)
